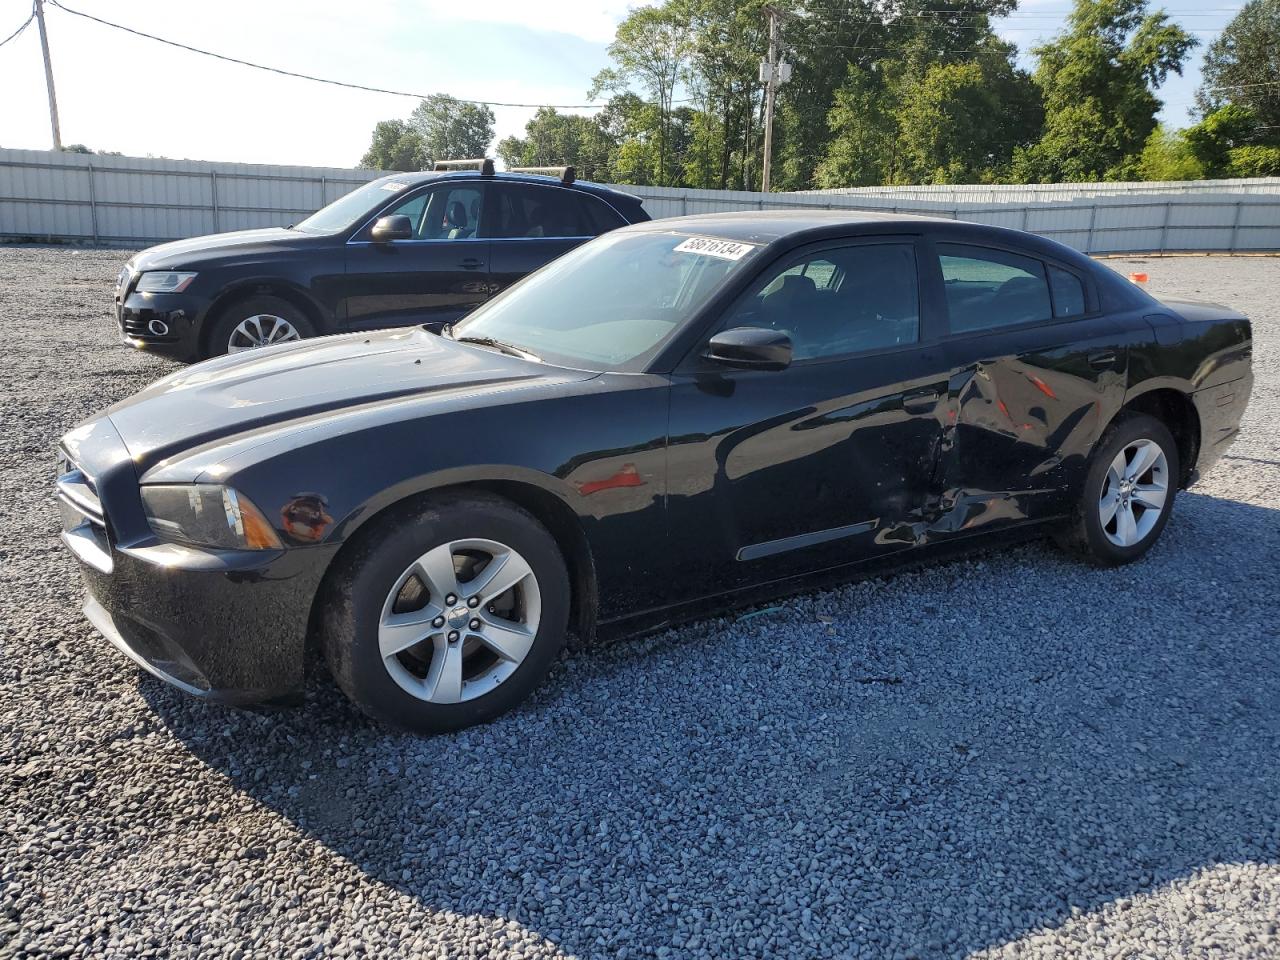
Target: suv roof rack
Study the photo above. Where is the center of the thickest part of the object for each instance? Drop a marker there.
(566, 174)
(483, 164)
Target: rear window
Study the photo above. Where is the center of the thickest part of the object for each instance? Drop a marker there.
(598, 215)
(1068, 293)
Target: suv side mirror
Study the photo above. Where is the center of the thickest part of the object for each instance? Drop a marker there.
(387, 229)
(751, 348)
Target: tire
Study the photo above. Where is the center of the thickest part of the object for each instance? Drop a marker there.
(390, 586)
(1109, 543)
(273, 316)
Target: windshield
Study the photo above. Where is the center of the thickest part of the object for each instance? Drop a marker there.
(344, 212)
(611, 304)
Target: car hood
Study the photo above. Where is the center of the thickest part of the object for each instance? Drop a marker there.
(263, 389)
(217, 246)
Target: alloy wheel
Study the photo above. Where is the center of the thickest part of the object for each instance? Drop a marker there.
(459, 621)
(1134, 493)
(261, 330)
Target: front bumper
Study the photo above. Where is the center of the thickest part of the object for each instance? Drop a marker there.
(228, 626)
(169, 324)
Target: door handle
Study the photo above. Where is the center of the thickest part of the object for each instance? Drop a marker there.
(1102, 360)
(919, 401)
(470, 263)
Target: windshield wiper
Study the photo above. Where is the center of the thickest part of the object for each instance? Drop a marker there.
(507, 348)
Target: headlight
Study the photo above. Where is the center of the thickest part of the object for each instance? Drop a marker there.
(164, 281)
(207, 515)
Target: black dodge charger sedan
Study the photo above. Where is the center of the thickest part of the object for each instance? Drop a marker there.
(677, 417)
(411, 248)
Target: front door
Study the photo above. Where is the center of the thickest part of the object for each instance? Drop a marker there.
(435, 278)
(829, 461)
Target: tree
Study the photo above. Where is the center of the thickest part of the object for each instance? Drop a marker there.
(395, 146)
(451, 129)
(1212, 140)
(961, 122)
(441, 127)
(1167, 156)
(841, 41)
(1097, 79)
(554, 139)
(721, 75)
(651, 48)
(861, 148)
(1255, 161)
(1242, 66)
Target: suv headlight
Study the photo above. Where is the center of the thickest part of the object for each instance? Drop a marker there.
(207, 515)
(164, 281)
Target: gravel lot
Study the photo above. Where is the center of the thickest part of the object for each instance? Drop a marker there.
(1010, 755)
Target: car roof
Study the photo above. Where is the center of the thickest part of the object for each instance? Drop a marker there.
(586, 186)
(766, 226)
(786, 228)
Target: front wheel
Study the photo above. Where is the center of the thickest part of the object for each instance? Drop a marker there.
(1128, 492)
(258, 321)
(447, 613)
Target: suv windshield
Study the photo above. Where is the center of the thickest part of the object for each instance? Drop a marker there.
(359, 203)
(611, 304)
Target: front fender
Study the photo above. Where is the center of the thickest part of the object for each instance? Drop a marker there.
(477, 474)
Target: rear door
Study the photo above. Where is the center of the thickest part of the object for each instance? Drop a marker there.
(531, 224)
(435, 278)
(828, 461)
(1037, 371)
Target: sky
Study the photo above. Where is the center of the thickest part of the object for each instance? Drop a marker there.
(129, 94)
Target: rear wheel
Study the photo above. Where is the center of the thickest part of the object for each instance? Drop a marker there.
(259, 321)
(446, 614)
(1128, 492)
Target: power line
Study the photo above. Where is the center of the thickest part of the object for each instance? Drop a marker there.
(17, 33)
(304, 76)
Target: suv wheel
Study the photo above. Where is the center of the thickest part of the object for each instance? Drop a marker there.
(260, 321)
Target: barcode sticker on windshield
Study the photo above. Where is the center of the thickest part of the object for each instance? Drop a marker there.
(710, 247)
(394, 186)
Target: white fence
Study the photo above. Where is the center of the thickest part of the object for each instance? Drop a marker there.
(128, 200)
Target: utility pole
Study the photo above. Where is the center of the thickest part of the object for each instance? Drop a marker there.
(773, 73)
(48, 77)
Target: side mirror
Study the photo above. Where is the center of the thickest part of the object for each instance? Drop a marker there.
(387, 229)
(751, 348)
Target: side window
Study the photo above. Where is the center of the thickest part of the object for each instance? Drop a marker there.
(532, 212)
(598, 216)
(453, 213)
(839, 301)
(1068, 293)
(991, 288)
(414, 208)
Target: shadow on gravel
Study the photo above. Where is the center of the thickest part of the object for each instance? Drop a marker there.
(1062, 738)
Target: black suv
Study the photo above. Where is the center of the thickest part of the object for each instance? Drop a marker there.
(411, 248)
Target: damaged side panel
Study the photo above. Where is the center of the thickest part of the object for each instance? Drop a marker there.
(1025, 409)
